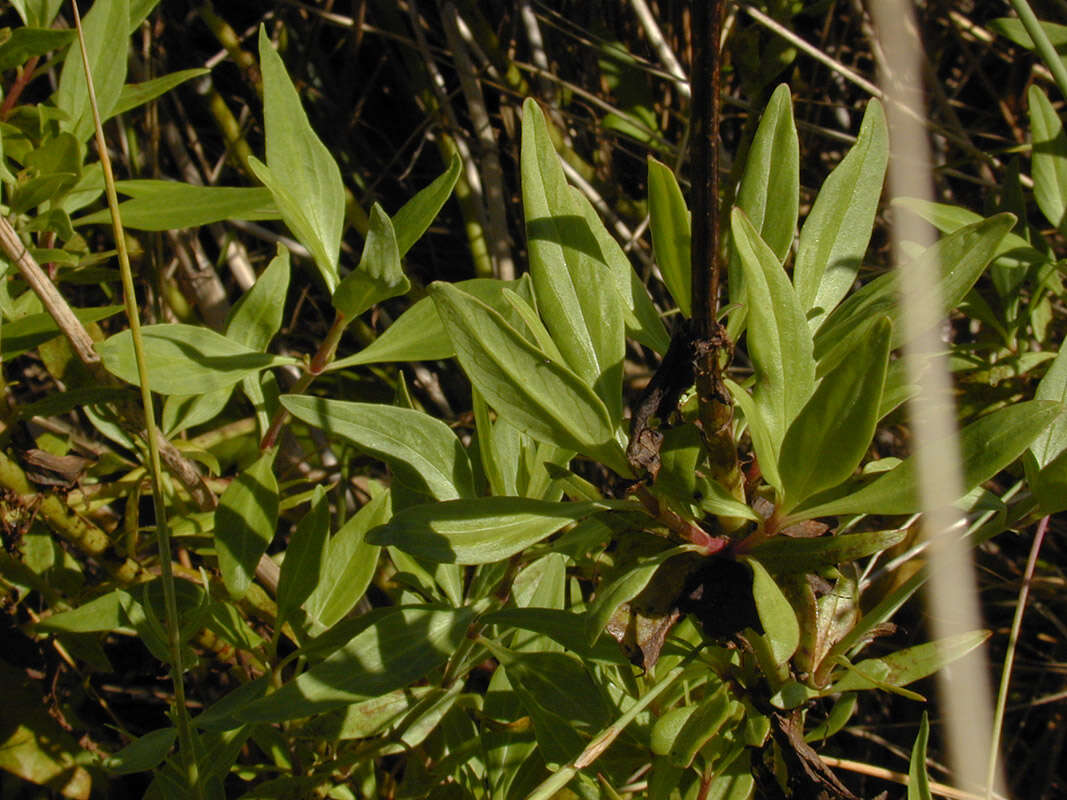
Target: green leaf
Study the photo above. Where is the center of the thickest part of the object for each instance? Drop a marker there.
(776, 615)
(102, 613)
(27, 42)
(671, 240)
(762, 442)
(412, 220)
(640, 314)
(908, 665)
(1053, 441)
(300, 172)
(1015, 30)
(569, 269)
(256, 317)
(184, 411)
(143, 753)
(479, 530)
(779, 342)
(831, 434)
(33, 330)
(536, 394)
(379, 275)
(562, 627)
(419, 335)
(305, 557)
(784, 554)
(245, 521)
(987, 446)
(838, 228)
(396, 650)
(624, 588)
(350, 564)
(918, 779)
(1049, 159)
(423, 452)
(183, 359)
(158, 205)
(137, 94)
(770, 187)
(701, 725)
(959, 259)
(106, 28)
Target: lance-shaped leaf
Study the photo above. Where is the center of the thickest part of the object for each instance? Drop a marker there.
(779, 621)
(1047, 468)
(759, 432)
(838, 228)
(379, 275)
(300, 172)
(185, 359)
(779, 342)
(397, 649)
(909, 665)
(770, 187)
(419, 335)
(569, 269)
(304, 557)
(350, 564)
(143, 753)
(671, 239)
(423, 452)
(959, 259)
(105, 27)
(536, 394)
(415, 216)
(918, 779)
(479, 530)
(701, 725)
(244, 523)
(987, 446)
(1049, 157)
(257, 316)
(784, 554)
(831, 434)
(157, 205)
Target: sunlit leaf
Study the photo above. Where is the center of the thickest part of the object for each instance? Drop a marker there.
(423, 452)
(244, 523)
(479, 530)
(669, 223)
(378, 276)
(158, 205)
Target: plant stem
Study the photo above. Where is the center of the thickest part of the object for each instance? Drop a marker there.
(716, 411)
(1009, 656)
(174, 644)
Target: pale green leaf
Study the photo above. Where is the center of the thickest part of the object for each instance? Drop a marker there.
(829, 437)
(378, 276)
(305, 557)
(158, 205)
(669, 223)
(770, 186)
(106, 28)
(412, 220)
(1049, 159)
(569, 269)
(183, 359)
(838, 228)
(538, 395)
(244, 523)
(779, 342)
(479, 530)
(784, 554)
(423, 452)
(918, 779)
(257, 316)
(776, 615)
(137, 94)
(908, 665)
(300, 171)
(987, 446)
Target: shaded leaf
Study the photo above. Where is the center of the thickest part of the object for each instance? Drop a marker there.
(137, 94)
(143, 753)
(244, 523)
(397, 649)
(1049, 160)
(784, 554)
(305, 557)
